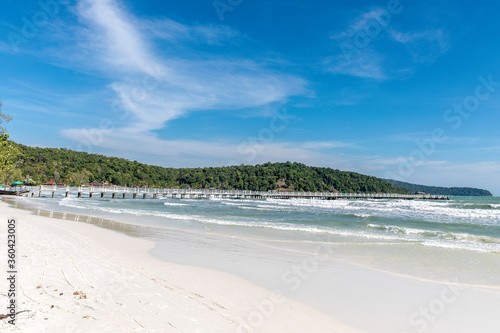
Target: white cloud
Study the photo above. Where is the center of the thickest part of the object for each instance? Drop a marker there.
(112, 31)
(484, 174)
(171, 30)
(365, 64)
(155, 87)
(425, 46)
(426, 136)
(202, 152)
(368, 48)
(480, 168)
(411, 37)
(388, 161)
(362, 62)
(6, 48)
(358, 24)
(326, 144)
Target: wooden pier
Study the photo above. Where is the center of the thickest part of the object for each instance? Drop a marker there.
(136, 193)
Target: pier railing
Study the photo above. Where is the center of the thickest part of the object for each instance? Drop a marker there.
(145, 193)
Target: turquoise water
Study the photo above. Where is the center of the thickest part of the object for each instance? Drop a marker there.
(471, 223)
(450, 240)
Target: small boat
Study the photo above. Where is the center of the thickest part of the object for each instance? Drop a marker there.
(12, 192)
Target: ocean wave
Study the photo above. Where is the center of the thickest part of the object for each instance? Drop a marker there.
(443, 239)
(174, 204)
(362, 215)
(420, 234)
(470, 246)
(413, 209)
(236, 204)
(477, 206)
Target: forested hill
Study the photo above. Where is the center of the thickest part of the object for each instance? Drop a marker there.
(75, 168)
(461, 191)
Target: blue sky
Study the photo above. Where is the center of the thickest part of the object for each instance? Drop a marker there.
(398, 89)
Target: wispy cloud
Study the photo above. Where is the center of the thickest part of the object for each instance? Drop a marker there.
(6, 48)
(479, 174)
(114, 36)
(171, 30)
(422, 136)
(326, 145)
(203, 152)
(358, 24)
(425, 46)
(367, 64)
(155, 87)
(364, 45)
(478, 168)
(352, 60)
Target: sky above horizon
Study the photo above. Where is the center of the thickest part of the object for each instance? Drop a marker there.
(408, 90)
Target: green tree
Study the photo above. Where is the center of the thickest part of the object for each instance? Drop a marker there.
(8, 152)
(4, 119)
(8, 157)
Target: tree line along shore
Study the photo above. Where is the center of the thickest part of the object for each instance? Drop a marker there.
(42, 165)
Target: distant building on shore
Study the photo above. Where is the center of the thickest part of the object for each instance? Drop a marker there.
(96, 183)
(52, 183)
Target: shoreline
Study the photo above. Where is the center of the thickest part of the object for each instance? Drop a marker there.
(365, 298)
(149, 232)
(122, 288)
(435, 264)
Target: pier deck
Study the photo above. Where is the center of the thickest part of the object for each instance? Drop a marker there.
(136, 193)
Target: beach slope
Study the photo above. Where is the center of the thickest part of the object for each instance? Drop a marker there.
(76, 277)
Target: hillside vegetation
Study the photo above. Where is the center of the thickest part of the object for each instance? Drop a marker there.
(459, 191)
(76, 168)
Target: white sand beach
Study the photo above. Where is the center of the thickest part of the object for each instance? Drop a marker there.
(75, 277)
(79, 277)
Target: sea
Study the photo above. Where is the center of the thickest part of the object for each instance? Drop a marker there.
(453, 241)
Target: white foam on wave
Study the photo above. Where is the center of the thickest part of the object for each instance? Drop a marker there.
(231, 203)
(362, 215)
(255, 208)
(443, 239)
(416, 209)
(400, 230)
(433, 233)
(371, 231)
(395, 233)
(174, 204)
(227, 222)
(470, 246)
